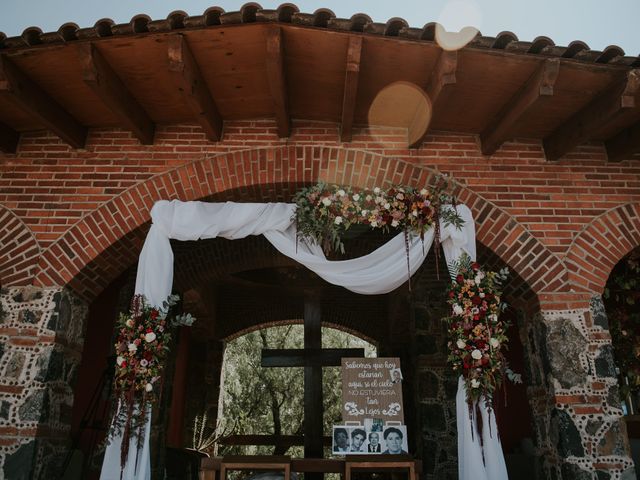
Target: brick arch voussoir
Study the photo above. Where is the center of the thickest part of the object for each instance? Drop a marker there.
(109, 238)
(601, 245)
(19, 250)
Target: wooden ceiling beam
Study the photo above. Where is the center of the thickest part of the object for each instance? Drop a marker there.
(440, 85)
(103, 80)
(8, 139)
(538, 89)
(351, 76)
(277, 80)
(617, 101)
(188, 78)
(624, 144)
(25, 93)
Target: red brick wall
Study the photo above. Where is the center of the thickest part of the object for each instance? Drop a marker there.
(562, 226)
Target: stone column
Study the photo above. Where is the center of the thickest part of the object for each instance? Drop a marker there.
(574, 395)
(41, 338)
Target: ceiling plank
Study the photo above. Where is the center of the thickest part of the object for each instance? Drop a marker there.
(103, 80)
(538, 89)
(277, 80)
(188, 78)
(8, 139)
(440, 85)
(617, 100)
(624, 144)
(354, 52)
(30, 97)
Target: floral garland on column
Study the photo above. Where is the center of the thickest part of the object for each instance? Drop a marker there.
(144, 336)
(477, 333)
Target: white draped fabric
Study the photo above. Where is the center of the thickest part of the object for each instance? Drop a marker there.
(379, 272)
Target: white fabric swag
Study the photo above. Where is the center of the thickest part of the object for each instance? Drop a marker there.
(379, 272)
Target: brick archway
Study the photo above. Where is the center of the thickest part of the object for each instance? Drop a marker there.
(19, 250)
(106, 241)
(601, 245)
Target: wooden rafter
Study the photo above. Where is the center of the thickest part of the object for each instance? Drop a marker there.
(440, 85)
(25, 93)
(617, 101)
(277, 80)
(350, 87)
(189, 80)
(8, 139)
(538, 89)
(624, 144)
(103, 80)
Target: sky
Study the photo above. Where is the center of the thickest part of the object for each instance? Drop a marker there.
(598, 23)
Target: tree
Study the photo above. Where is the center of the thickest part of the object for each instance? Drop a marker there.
(269, 401)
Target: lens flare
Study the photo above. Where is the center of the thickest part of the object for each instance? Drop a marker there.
(458, 24)
(404, 105)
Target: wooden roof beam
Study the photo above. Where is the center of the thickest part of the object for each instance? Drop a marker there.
(277, 80)
(187, 77)
(624, 144)
(25, 93)
(350, 87)
(618, 100)
(440, 85)
(538, 89)
(103, 80)
(8, 139)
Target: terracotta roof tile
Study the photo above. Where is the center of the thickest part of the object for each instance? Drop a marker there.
(321, 18)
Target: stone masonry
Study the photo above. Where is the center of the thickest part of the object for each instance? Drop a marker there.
(41, 337)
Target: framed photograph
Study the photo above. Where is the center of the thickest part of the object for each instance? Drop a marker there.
(394, 440)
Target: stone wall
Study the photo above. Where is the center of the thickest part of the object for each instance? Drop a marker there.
(573, 393)
(41, 338)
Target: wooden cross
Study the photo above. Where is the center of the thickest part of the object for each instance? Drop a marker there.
(313, 357)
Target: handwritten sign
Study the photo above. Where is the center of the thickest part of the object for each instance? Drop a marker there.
(372, 389)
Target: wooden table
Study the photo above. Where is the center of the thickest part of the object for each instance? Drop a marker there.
(256, 462)
(343, 466)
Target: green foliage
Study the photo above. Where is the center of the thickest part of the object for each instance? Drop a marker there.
(269, 401)
(622, 297)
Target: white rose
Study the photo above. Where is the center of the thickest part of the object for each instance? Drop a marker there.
(376, 190)
(326, 201)
(368, 198)
(493, 317)
(400, 196)
(481, 294)
(423, 192)
(365, 213)
(387, 206)
(356, 197)
(374, 223)
(341, 192)
(457, 309)
(495, 343)
(148, 387)
(338, 220)
(475, 383)
(129, 323)
(395, 223)
(414, 213)
(476, 354)
(461, 343)
(150, 337)
(478, 279)
(132, 347)
(120, 360)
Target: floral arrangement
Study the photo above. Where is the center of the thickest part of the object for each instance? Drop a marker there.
(324, 213)
(144, 336)
(477, 333)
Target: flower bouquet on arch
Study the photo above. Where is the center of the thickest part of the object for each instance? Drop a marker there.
(143, 338)
(477, 333)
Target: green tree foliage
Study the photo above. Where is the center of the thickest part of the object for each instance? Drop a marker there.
(622, 299)
(269, 401)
